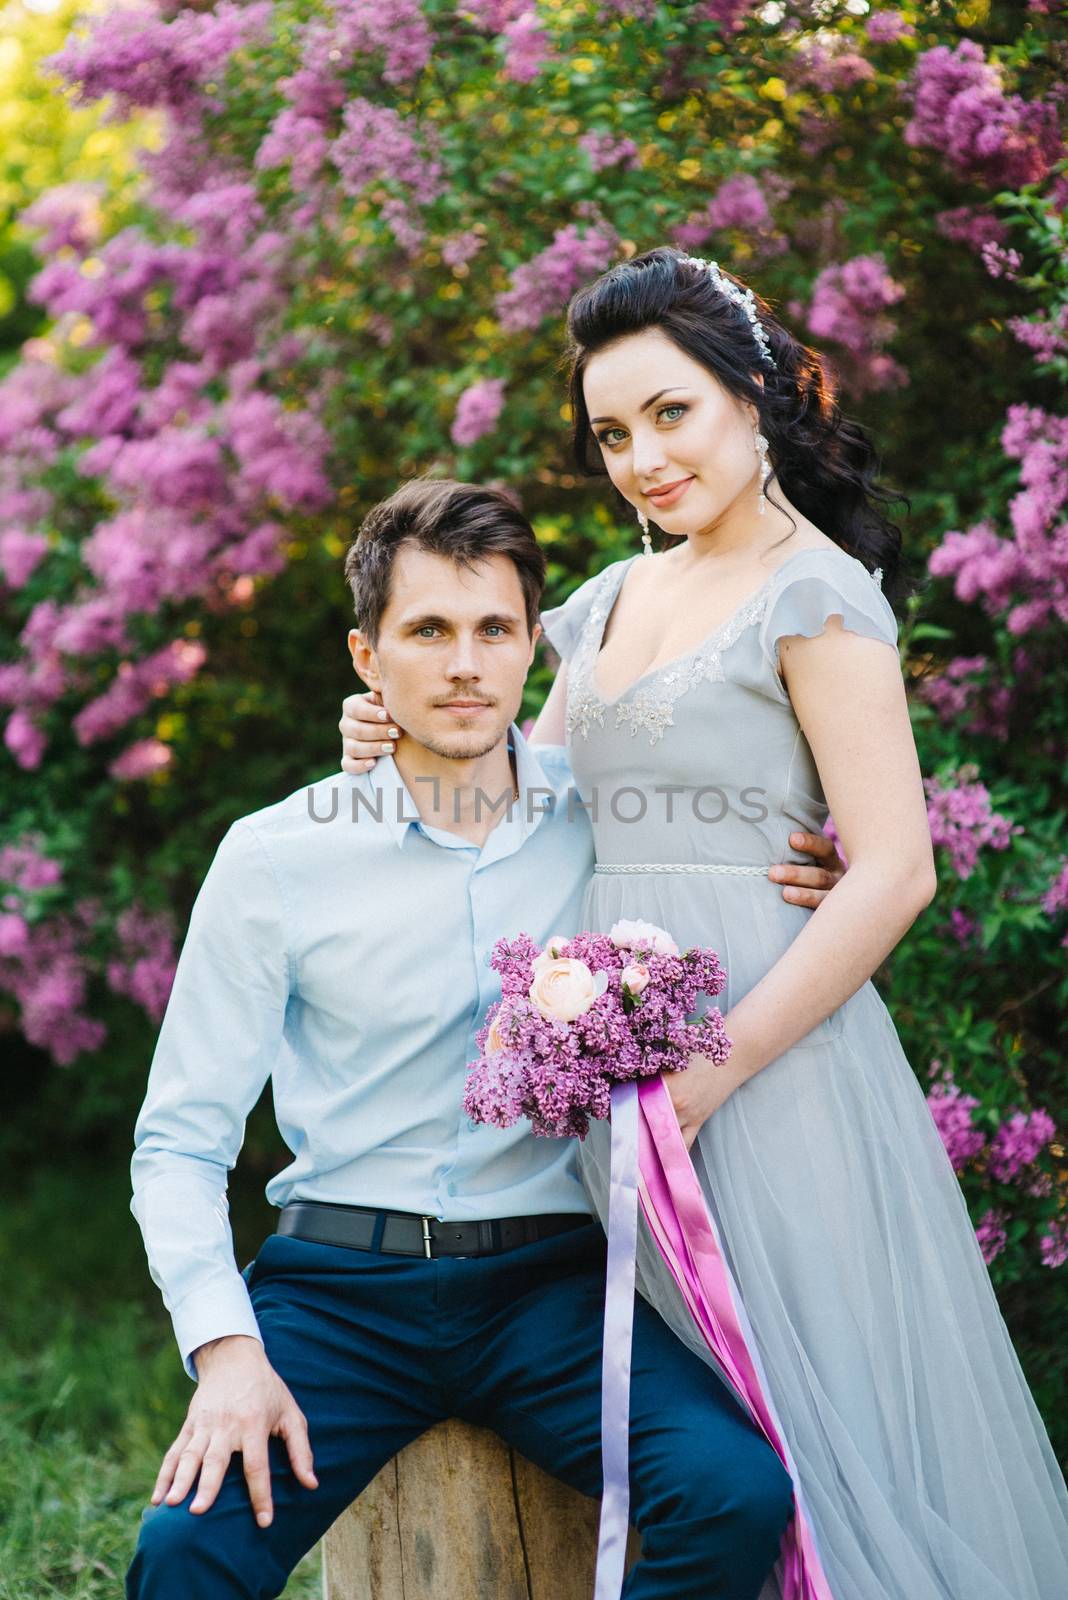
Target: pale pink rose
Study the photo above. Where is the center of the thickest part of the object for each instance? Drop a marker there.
(554, 944)
(563, 990)
(635, 977)
(643, 936)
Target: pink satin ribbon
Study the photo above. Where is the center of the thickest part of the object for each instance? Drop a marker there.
(644, 1125)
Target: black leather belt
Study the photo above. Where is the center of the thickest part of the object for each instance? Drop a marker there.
(400, 1233)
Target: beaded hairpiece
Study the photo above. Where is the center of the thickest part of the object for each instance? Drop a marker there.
(740, 297)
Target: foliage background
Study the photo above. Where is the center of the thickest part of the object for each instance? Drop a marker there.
(274, 258)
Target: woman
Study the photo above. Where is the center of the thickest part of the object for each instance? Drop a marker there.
(751, 672)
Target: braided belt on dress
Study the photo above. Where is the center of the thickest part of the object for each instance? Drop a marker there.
(679, 866)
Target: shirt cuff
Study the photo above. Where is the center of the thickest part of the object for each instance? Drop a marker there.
(224, 1310)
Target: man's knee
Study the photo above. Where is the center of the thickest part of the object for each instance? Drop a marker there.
(160, 1543)
(765, 1498)
(746, 1487)
(179, 1554)
(721, 1529)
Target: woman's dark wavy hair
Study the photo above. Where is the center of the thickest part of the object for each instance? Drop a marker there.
(825, 462)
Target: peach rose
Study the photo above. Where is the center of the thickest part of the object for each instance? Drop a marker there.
(495, 1039)
(564, 989)
(643, 936)
(635, 977)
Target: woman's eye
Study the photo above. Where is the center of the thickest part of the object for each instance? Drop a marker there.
(671, 413)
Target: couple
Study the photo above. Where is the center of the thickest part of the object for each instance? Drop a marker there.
(341, 948)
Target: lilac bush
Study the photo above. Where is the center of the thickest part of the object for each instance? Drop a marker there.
(347, 262)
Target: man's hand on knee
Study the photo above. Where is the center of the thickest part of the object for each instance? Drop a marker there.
(240, 1401)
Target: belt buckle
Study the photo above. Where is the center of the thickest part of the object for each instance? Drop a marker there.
(426, 1238)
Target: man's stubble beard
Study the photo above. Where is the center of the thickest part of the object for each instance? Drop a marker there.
(482, 747)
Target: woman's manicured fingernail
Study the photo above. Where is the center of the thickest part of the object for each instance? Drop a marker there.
(387, 748)
(381, 713)
(394, 733)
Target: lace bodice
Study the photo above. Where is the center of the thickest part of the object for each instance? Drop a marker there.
(648, 703)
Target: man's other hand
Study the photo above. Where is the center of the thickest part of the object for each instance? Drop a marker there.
(807, 886)
(240, 1401)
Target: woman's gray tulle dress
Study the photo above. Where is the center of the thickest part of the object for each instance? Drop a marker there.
(926, 1467)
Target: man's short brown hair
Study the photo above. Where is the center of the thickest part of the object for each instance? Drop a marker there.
(463, 521)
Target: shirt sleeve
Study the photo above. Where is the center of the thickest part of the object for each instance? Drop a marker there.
(217, 1044)
(828, 585)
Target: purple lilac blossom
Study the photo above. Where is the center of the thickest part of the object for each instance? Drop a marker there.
(952, 1111)
(960, 110)
(848, 305)
(527, 48)
(540, 287)
(1054, 1243)
(963, 822)
(1015, 1145)
(606, 150)
(477, 411)
(144, 967)
(991, 1234)
(887, 27)
(1026, 576)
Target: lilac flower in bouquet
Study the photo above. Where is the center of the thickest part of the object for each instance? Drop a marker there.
(584, 1013)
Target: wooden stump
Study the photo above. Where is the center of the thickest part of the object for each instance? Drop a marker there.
(460, 1516)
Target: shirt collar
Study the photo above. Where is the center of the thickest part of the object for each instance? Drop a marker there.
(538, 797)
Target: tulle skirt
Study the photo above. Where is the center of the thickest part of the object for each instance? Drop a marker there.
(924, 1462)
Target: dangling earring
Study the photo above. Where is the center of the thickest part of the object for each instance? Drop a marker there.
(762, 452)
(647, 543)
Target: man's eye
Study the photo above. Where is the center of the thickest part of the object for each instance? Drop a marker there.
(494, 627)
(422, 633)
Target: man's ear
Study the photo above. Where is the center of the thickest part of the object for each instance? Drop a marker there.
(364, 658)
(535, 634)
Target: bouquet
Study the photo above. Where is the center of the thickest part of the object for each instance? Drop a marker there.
(585, 1028)
(586, 1013)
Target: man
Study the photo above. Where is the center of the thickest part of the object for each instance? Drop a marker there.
(340, 945)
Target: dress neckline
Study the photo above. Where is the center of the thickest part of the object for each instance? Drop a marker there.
(597, 644)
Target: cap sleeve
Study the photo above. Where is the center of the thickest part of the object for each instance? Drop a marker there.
(563, 624)
(821, 585)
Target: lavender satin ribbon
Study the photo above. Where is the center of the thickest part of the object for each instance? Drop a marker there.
(646, 1137)
(618, 1338)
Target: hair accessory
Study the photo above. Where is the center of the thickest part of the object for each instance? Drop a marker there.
(647, 543)
(740, 297)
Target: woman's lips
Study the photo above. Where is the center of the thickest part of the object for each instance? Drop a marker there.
(668, 496)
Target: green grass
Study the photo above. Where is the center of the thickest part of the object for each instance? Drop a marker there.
(92, 1391)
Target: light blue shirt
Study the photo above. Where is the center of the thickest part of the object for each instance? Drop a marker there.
(340, 946)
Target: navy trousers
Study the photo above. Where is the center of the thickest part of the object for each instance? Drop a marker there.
(378, 1348)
